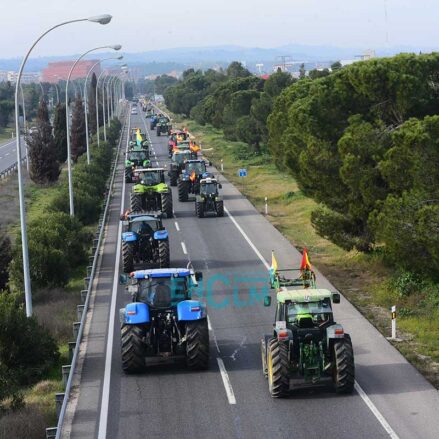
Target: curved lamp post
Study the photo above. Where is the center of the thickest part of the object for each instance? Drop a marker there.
(102, 19)
(69, 161)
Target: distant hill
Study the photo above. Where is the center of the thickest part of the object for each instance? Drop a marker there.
(160, 61)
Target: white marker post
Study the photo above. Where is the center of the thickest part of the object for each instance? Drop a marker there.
(222, 165)
(266, 206)
(393, 322)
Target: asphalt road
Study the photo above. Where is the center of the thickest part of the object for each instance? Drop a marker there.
(8, 153)
(231, 399)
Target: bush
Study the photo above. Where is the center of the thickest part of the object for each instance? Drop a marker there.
(27, 350)
(113, 131)
(5, 259)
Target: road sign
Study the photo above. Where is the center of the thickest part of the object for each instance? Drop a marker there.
(242, 172)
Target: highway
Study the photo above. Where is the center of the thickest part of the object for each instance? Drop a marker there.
(8, 153)
(231, 399)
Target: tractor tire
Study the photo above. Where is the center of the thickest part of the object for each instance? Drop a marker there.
(197, 345)
(199, 209)
(173, 179)
(164, 258)
(127, 176)
(277, 365)
(151, 126)
(136, 202)
(127, 257)
(220, 208)
(132, 349)
(166, 201)
(344, 368)
(183, 191)
(158, 132)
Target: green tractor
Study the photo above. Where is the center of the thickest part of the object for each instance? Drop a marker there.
(151, 193)
(163, 126)
(189, 179)
(136, 159)
(209, 200)
(177, 163)
(307, 347)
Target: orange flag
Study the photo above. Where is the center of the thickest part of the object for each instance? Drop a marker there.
(305, 264)
(192, 177)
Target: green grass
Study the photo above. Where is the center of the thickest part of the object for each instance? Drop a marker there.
(5, 134)
(365, 279)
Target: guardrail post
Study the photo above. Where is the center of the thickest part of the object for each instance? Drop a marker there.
(51, 432)
(65, 374)
(59, 398)
(76, 329)
(79, 311)
(86, 281)
(89, 268)
(72, 346)
(83, 295)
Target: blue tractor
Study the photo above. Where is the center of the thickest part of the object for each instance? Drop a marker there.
(189, 179)
(163, 324)
(153, 121)
(144, 240)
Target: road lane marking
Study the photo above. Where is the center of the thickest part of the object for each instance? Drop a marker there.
(183, 246)
(177, 226)
(226, 381)
(381, 419)
(103, 418)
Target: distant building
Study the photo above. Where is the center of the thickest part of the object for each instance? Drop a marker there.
(3, 75)
(26, 77)
(57, 71)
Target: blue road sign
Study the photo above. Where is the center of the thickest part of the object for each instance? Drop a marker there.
(242, 172)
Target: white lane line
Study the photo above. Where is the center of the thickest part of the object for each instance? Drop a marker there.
(375, 411)
(381, 419)
(7, 154)
(208, 324)
(177, 226)
(226, 381)
(103, 417)
(157, 163)
(183, 246)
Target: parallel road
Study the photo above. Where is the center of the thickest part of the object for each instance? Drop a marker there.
(231, 399)
(8, 153)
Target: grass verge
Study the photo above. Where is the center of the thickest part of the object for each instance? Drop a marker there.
(365, 279)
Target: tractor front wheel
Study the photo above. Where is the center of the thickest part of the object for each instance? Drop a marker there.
(277, 368)
(132, 349)
(199, 209)
(173, 178)
(127, 257)
(183, 190)
(158, 131)
(164, 258)
(136, 202)
(166, 201)
(220, 208)
(344, 367)
(197, 345)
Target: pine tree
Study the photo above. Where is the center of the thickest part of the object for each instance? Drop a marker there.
(78, 139)
(302, 71)
(91, 105)
(60, 133)
(44, 166)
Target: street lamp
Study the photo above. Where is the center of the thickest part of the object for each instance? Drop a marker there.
(102, 19)
(69, 164)
(86, 103)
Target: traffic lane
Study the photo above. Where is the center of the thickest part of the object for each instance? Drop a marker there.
(177, 402)
(219, 250)
(408, 402)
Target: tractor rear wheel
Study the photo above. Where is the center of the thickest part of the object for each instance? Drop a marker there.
(158, 131)
(197, 345)
(136, 202)
(127, 175)
(199, 209)
(132, 349)
(127, 257)
(220, 208)
(166, 200)
(164, 258)
(344, 367)
(277, 365)
(173, 178)
(183, 190)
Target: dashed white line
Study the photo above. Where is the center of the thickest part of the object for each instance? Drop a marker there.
(177, 226)
(226, 381)
(381, 419)
(183, 246)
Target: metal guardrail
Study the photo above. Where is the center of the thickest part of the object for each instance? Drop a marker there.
(68, 371)
(11, 169)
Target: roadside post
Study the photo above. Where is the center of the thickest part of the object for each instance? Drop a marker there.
(393, 322)
(222, 165)
(266, 205)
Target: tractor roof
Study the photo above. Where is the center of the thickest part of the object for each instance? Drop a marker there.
(162, 272)
(142, 218)
(208, 180)
(195, 161)
(149, 169)
(289, 294)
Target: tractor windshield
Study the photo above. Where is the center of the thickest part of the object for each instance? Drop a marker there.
(138, 155)
(198, 167)
(209, 189)
(163, 120)
(180, 158)
(150, 178)
(163, 292)
(319, 311)
(145, 227)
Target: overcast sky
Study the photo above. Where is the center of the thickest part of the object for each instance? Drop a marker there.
(141, 25)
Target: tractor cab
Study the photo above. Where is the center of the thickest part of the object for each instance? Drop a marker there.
(195, 167)
(150, 176)
(209, 187)
(209, 200)
(138, 158)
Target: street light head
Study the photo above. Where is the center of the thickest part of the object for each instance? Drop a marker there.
(120, 57)
(101, 19)
(116, 47)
